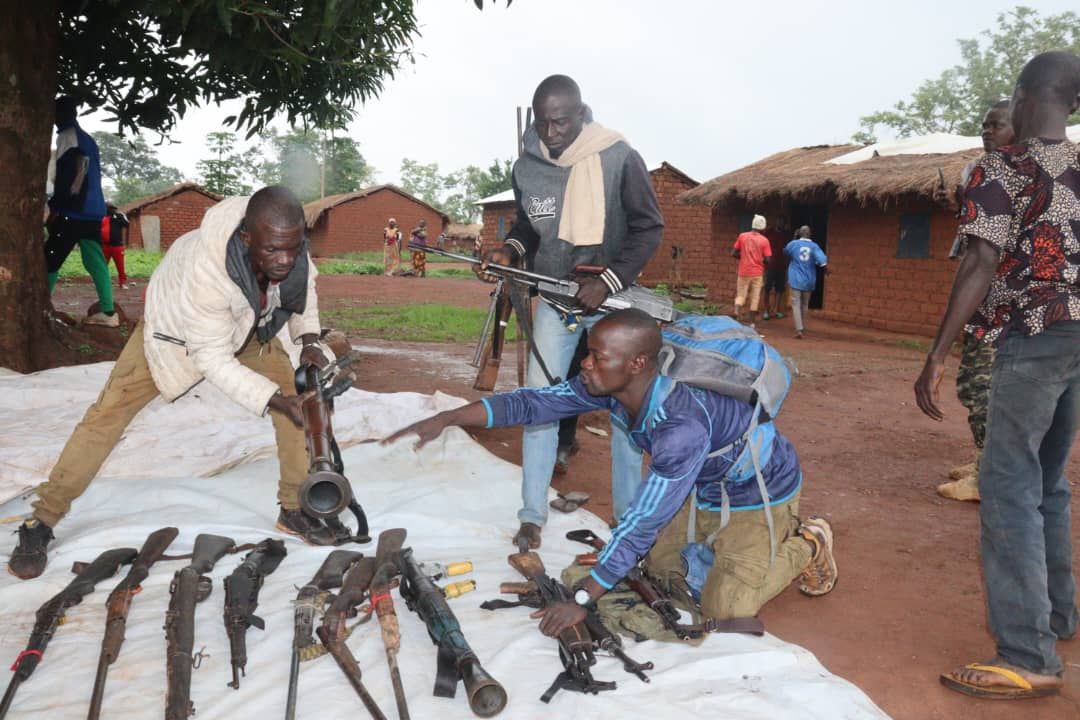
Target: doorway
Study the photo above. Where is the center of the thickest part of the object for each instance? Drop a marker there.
(817, 217)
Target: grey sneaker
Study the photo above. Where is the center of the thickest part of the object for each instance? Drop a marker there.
(819, 577)
(29, 557)
(100, 318)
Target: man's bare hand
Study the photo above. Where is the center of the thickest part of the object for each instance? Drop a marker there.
(558, 617)
(927, 387)
(499, 256)
(592, 292)
(426, 430)
(291, 406)
(313, 355)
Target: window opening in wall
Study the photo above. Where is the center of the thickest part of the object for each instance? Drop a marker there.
(914, 236)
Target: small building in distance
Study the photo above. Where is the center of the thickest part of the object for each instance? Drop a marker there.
(871, 209)
(156, 221)
(354, 222)
(462, 238)
(684, 257)
(500, 212)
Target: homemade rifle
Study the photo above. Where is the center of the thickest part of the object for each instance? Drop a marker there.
(326, 491)
(118, 605)
(51, 614)
(190, 585)
(456, 660)
(333, 630)
(242, 597)
(328, 577)
(563, 293)
(654, 596)
(382, 603)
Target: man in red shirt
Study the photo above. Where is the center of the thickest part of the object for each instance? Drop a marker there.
(753, 252)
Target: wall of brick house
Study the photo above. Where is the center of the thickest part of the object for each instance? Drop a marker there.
(720, 268)
(490, 236)
(357, 225)
(178, 214)
(870, 286)
(685, 227)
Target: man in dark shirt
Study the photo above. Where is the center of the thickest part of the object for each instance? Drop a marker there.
(113, 238)
(583, 198)
(1018, 287)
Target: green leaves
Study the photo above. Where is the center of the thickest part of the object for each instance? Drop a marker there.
(455, 192)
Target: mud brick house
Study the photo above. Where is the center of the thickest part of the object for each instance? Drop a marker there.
(683, 259)
(354, 222)
(872, 211)
(157, 220)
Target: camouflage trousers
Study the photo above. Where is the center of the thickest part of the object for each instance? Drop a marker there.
(973, 384)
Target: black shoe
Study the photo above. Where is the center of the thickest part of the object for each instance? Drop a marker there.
(28, 559)
(310, 529)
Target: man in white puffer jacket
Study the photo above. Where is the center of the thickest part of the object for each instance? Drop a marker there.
(213, 309)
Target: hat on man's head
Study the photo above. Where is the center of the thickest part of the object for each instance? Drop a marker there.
(758, 222)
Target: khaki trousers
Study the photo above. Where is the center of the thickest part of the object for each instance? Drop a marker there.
(748, 287)
(128, 390)
(741, 580)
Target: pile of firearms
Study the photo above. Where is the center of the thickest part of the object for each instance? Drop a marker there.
(356, 577)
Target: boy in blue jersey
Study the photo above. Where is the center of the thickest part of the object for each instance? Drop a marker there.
(679, 426)
(806, 256)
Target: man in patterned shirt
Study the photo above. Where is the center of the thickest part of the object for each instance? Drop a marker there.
(1019, 283)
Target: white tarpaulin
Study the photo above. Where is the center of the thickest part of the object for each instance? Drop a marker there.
(456, 500)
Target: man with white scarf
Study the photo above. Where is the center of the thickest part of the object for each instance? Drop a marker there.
(583, 198)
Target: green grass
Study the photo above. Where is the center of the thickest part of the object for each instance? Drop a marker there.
(343, 266)
(451, 273)
(137, 264)
(428, 322)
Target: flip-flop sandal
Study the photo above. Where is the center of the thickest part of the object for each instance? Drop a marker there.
(1022, 688)
(569, 502)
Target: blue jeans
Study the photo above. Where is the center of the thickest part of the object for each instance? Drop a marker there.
(1033, 415)
(556, 345)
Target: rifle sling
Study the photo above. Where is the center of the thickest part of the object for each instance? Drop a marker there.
(748, 625)
(446, 673)
(498, 604)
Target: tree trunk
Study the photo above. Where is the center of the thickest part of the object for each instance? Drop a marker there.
(28, 55)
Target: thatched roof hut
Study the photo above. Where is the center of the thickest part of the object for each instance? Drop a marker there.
(457, 231)
(805, 175)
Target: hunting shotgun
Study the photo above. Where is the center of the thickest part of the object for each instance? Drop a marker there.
(456, 660)
(51, 614)
(326, 492)
(328, 577)
(190, 585)
(119, 603)
(390, 542)
(242, 597)
(333, 630)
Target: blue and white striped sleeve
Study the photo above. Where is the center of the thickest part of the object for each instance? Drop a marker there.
(535, 406)
(679, 451)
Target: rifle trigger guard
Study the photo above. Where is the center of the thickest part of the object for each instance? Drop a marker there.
(197, 658)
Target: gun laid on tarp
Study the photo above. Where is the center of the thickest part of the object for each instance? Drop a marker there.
(329, 576)
(334, 630)
(326, 492)
(382, 603)
(118, 605)
(242, 597)
(51, 614)
(562, 294)
(190, 586)
(456, 660)
(653, 595)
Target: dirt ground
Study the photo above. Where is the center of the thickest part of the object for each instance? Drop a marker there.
(909, 602)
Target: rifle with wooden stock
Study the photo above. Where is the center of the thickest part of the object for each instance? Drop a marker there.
(329, 576)
(190, 586)
(334, 630)
(118, 605)
(51, 614)
(382, 603)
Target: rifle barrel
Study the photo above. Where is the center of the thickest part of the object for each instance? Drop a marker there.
(104, 661)
(294, 679)
(399, 689)
(508, 269)
(9, 695)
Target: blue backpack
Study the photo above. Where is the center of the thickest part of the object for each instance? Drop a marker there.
(719, 354)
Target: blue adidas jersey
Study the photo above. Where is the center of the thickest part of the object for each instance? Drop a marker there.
(679, 426)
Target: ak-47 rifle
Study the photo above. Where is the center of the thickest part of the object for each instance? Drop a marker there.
(382, 603)
(190, 586)
(333, 630)
(326, 491)
(50, 615)
(654, 596)
(242, 597)
(118, 605)
(328, 577)
(456, 660)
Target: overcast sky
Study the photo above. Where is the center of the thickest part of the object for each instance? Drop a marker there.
(707, 86)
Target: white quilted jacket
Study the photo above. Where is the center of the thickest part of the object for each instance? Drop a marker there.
(196, 318)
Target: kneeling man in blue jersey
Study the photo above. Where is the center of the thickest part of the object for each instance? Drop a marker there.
(681, 427)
